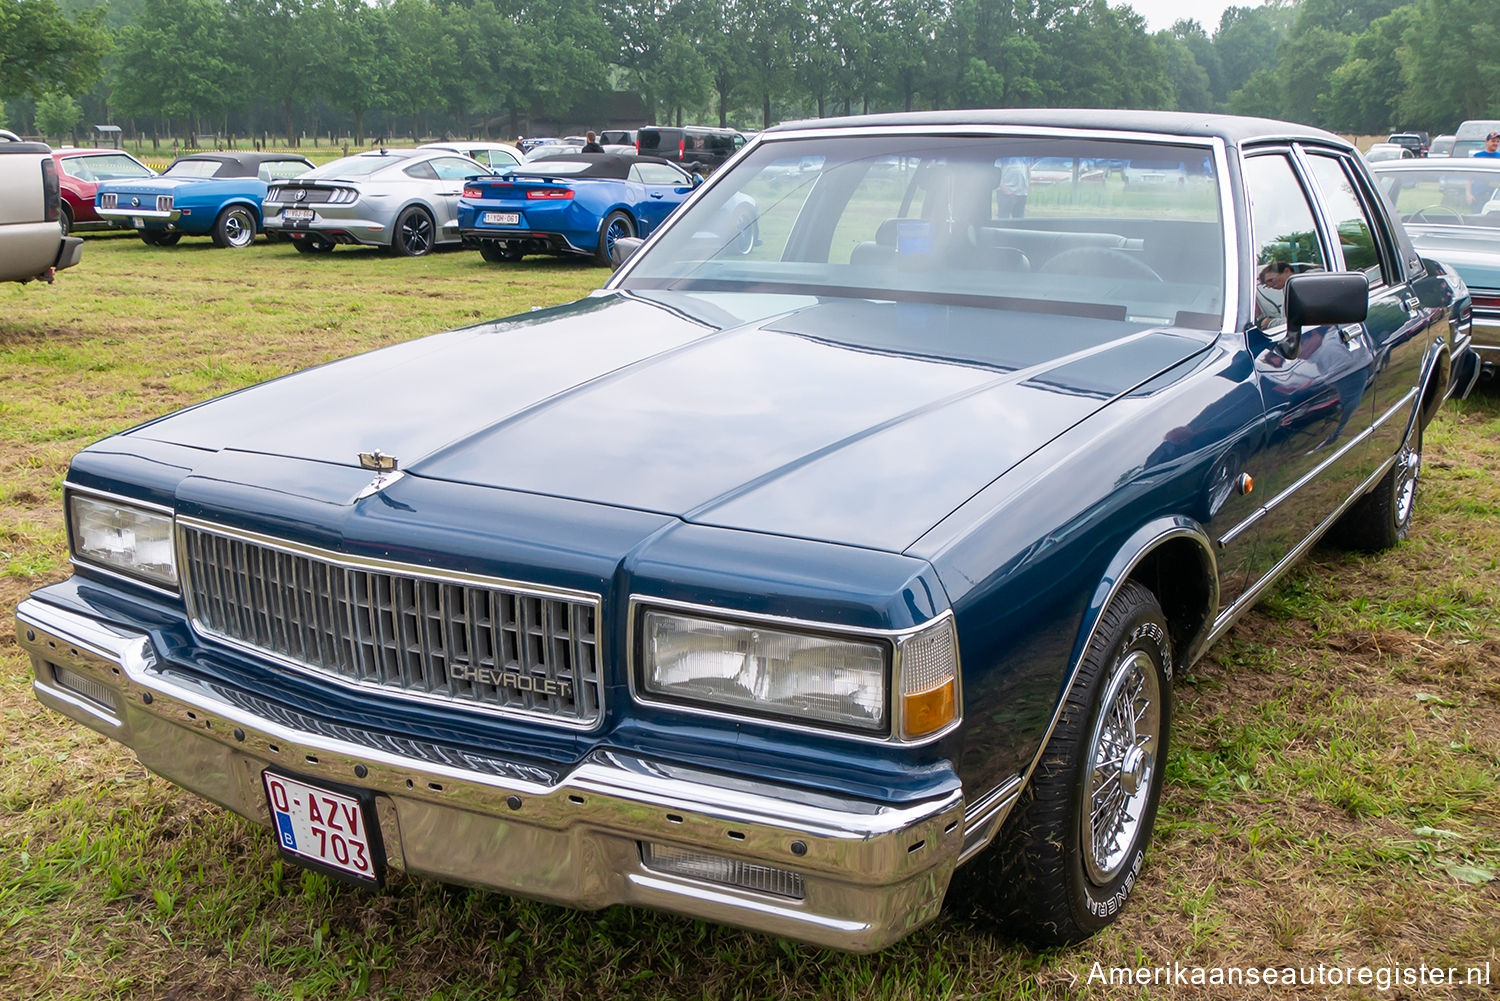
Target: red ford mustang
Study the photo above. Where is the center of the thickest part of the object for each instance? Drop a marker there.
(81, 170)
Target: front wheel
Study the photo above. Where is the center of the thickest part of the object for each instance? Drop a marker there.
(1071, 853)
(617, 226)
(235, 227)
(415, 233)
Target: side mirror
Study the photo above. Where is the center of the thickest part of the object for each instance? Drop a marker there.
(624, 247)
(1312, 300)
(697, 179)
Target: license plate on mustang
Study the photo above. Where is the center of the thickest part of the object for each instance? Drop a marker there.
(138, 222)
(502, 218)
(300, 215)
(325, 829)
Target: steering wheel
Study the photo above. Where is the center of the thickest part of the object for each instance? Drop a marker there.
(1101, 262)
(1420, 215)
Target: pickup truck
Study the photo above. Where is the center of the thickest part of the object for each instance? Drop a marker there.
(32, 244)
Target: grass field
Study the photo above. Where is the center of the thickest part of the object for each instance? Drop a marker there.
(1333, 792)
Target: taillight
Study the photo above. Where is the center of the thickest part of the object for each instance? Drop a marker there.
(51, 194)
(473, 192)
(681, 148)
(550, 193)
(1488, 301)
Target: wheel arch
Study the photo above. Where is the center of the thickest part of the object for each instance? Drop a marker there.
(249, 203)
(1173, 558)
(1437, 373)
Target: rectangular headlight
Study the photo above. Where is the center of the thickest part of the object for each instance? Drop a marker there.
(123, 538)
(742, 666)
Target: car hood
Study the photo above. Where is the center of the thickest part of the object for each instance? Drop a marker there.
(1469, 250)
(857, 422)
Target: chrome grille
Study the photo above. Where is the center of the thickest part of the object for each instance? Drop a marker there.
(401, 630)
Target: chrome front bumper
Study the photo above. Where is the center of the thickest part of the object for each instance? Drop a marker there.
(872, 873)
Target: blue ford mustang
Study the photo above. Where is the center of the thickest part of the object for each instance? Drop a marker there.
(581, 203)
(205, 194)
(779, 586)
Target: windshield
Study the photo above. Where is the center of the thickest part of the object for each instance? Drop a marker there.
(107, 167)
(360, 165)
(193, 168)
(1459, 195)
(1044, 225)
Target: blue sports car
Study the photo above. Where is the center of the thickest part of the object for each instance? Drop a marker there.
(581, 203)
(205, 194)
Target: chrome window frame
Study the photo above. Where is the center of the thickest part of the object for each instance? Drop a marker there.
(1215, 144)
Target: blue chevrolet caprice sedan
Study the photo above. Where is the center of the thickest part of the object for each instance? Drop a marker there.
(206, 194)
(581, 203)
(784, 585)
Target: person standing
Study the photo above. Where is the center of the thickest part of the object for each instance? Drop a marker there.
(1491, 146)
(1015, 186)
(590, 144)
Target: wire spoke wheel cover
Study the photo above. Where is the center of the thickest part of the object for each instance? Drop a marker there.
(1408, 471)
(1121, 766)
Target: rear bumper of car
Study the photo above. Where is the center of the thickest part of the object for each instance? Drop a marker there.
(527, 240)
(330, 224)
(854, 875)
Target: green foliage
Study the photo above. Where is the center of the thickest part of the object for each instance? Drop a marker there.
(41, 49)
(57, 113)
(1462, 37)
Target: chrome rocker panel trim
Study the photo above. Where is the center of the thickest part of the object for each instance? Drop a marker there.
(872, 873)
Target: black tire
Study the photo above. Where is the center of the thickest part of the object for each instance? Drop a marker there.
(65, 219)
(497, 254)
(415, 233)
(1052, 878)
(1382, 517)
(235, 227)
(616, 225)
(305, 246)
(158, 238)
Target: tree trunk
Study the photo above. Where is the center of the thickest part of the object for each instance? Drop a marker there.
(766, 110)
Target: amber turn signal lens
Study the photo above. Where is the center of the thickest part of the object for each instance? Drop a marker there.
(930, 711)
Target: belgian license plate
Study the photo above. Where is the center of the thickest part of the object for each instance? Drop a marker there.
(298, 215)
(502, 218)
(138, 222)
(325, 829)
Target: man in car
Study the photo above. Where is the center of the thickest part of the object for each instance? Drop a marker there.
(1479, 191)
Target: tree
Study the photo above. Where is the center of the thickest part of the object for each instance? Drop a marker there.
(176, 62)
(1364, 92)
(1191, 90)
(353, 80)
(1246, 43)
(42, 50)
(57, 114)
(1448, 64)
(1306, 67)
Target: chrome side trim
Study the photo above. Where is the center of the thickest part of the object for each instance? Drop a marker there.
(1119, 582)
(983, 817)
(894, 637)
(1312, 474)
(1253, 593)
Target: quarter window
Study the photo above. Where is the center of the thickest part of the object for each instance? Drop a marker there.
(1347, 213)
(657, 173)
(1284, 232)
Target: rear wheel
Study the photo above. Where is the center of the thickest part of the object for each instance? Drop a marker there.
(1070, 854)
(498, 254)
(415, 233)
(617, 225)
(65, 219)
(1382, 517)
(235, 227)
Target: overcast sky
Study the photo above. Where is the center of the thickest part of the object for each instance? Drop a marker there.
(1161, 13)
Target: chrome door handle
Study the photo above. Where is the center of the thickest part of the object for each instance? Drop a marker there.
(1351, 332)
